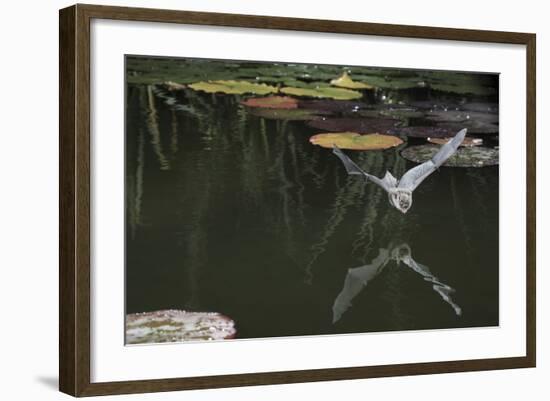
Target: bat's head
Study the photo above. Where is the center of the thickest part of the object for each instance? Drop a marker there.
(400, 252)
(401, 199)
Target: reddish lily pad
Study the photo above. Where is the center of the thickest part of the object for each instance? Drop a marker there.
(474, 127)
(454, 116)
(359, 125)
(480, 107)
(272, 102)
(166, 326)
(355, 141)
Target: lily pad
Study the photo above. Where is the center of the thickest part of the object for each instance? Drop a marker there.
(468, 141)
(424, 132)
(359, 125)
(332, 106)
(355, 141)
(453, 116)
(323, 92)
(480, 107)
(345, 81)
(285, 114)
(176, 326)
(392, 111)
(233, 87)
(474, 127)
(477, 156)
(272, 102)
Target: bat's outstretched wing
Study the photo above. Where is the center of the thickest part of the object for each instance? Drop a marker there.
(412, 178)
(442, 289)
(387, 182)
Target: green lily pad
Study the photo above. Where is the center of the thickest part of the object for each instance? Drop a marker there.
(345, 81)
(359, 125)
(355, 141)
(477, 156)
(285, 114)
(166, 326)
(233, 87)
(272, 102)
(323, 92)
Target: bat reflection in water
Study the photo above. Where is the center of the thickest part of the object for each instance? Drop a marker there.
(400, 191)
(358, 278)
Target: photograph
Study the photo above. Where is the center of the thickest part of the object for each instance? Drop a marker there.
(280, 199)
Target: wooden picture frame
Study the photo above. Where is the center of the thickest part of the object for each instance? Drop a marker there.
(74, 206)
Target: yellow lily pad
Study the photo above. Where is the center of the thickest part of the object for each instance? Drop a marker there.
(323, 92)
(355, 141)
(233, 87)
(345, 81)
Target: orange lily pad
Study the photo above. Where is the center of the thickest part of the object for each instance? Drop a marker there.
(272, 102)
(355, 141)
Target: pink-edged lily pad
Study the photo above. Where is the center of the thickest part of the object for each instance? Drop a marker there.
(272, 102)
(172, 325)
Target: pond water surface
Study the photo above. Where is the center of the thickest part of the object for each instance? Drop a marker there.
(232, 212)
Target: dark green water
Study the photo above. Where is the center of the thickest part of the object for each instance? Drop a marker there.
(237, 214)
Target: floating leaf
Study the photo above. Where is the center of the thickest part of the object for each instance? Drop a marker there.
(474, 127)
(355, 141)
(392, 111)
(453, 116)
(176, 326)
(272, 102)
(285, 114)
(233, 87)
(476, 156)
(424, 132)
(481, 107)
(360, 125)
(323, 92)
(332, 105)
(468, 141)
(345, 81)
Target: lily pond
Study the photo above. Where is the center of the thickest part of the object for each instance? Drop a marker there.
(242, 223)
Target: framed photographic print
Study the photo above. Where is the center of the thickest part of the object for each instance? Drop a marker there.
(252, 200)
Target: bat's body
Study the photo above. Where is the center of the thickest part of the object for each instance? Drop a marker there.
(400, 191)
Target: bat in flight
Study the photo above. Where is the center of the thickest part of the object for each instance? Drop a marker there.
(400, 191)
